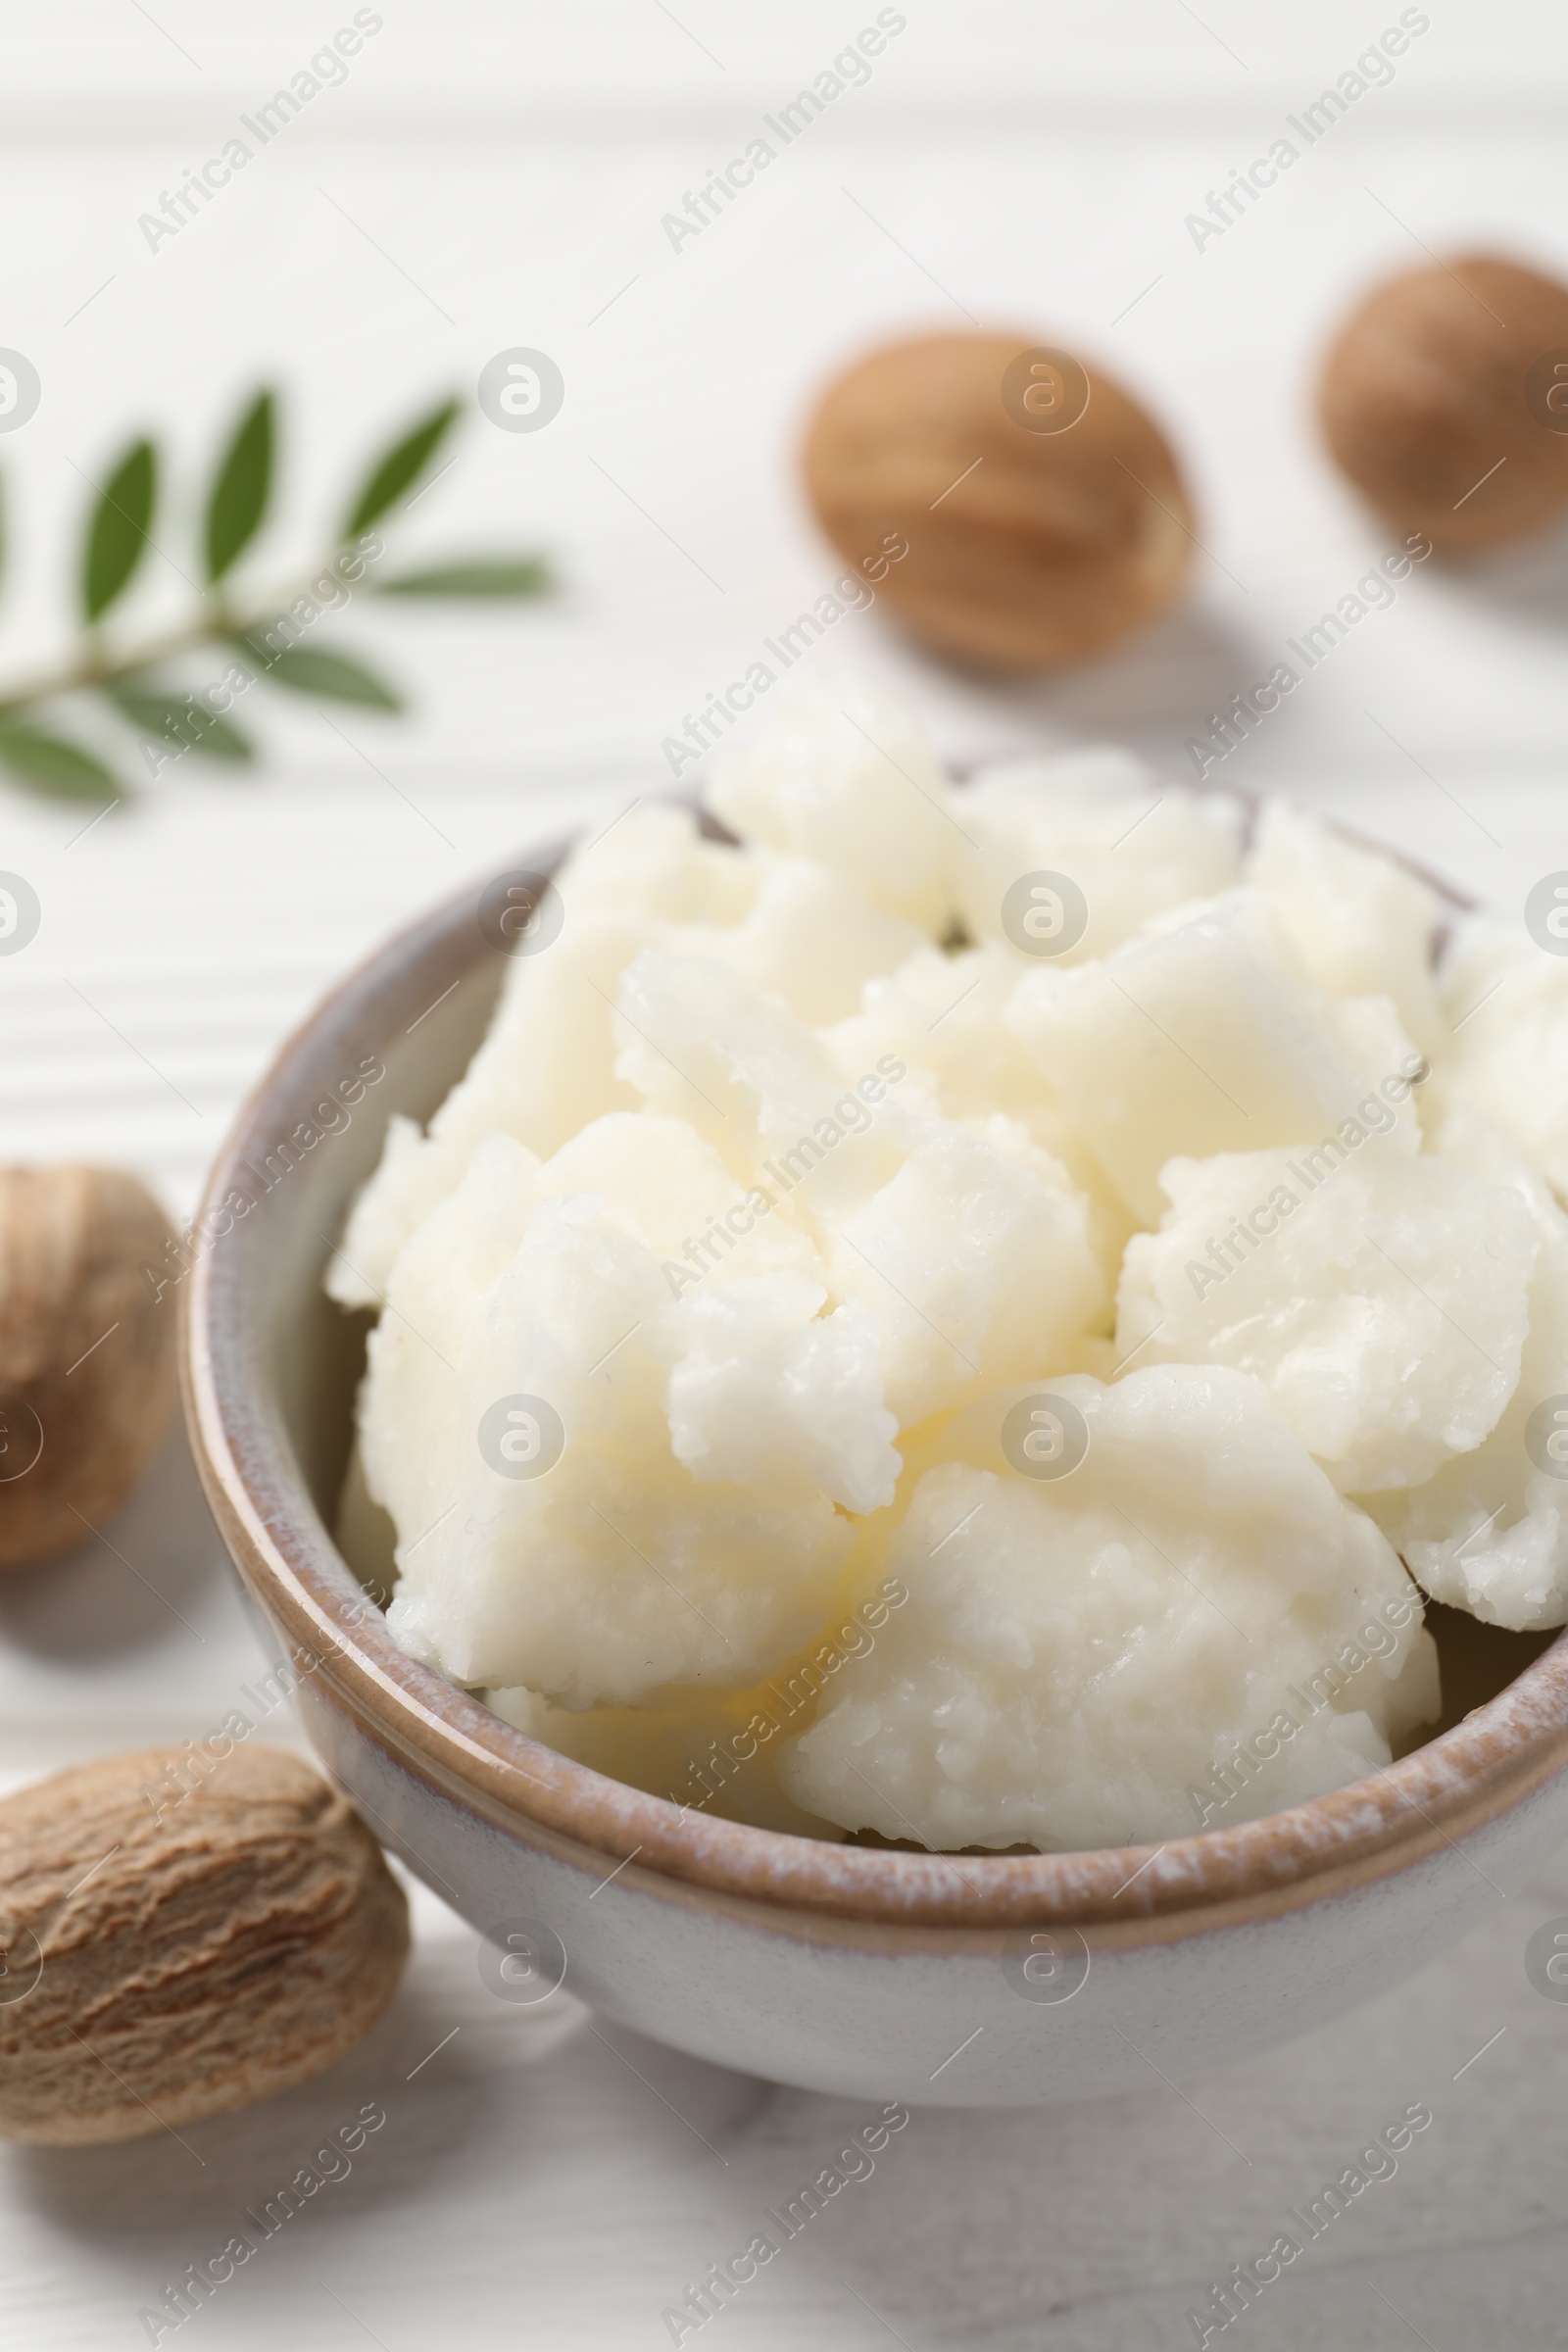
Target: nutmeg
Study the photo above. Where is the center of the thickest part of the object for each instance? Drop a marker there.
(86, 1352)
(1040, 508)
(1446, 399)
(179, 1937)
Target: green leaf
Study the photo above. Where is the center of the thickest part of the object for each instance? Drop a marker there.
(529, 575)
(48, 764)
(305, 670)
(116, 535)
(401, 465)
(240, 492)
(168, 718)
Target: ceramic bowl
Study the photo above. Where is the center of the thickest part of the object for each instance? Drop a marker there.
(891, 1974)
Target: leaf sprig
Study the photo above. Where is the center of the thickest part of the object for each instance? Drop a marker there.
(136, 686)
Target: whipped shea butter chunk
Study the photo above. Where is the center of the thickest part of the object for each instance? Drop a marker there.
(975, 1315)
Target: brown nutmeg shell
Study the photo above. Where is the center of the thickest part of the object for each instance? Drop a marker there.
(1027, 548)
(180, 1940)
(1435, 400)
(87, 1354)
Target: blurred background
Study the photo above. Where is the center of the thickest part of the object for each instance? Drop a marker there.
(483, 179)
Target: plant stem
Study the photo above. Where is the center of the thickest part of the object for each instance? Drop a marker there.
(92, 672)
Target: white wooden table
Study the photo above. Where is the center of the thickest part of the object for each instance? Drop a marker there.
(486, 178)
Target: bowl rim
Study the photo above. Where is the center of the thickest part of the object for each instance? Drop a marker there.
(1365, 1831)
